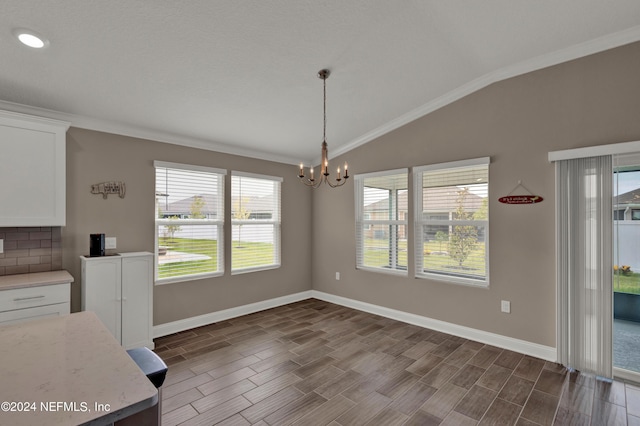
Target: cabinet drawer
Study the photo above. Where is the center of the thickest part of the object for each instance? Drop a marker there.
(20, 315)
(28, 297)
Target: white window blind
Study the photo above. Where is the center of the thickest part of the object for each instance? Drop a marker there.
(189, 222)
(381, 221)
(255, 222)
(452, 221)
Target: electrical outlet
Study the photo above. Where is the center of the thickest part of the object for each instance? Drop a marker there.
(337, 276)
(110, 243)
(1, 246)
(506, 306)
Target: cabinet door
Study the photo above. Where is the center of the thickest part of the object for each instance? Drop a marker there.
(136, 301)
(101, 291)
(33, 173)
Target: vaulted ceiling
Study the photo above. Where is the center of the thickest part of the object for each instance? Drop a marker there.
(239, 76)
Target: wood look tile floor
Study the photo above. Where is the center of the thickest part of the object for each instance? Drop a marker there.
(316, 363)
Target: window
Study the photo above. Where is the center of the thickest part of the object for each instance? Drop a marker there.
(255, 222)
(381, 225)
(452, 221)
(189, 222)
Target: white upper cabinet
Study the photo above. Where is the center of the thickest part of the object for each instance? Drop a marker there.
(32, 174)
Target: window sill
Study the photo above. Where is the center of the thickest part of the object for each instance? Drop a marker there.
(388, 271)
(255, 269)
(173, 280)
(469, 282)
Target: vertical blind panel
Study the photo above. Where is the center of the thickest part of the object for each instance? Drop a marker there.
(382, 202)
(255, 218)
(190, 213)
(585, 251)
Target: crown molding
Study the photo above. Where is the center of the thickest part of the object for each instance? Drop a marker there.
(89, 123)
(577, 51)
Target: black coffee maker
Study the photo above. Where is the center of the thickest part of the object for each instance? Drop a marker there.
(96, 245)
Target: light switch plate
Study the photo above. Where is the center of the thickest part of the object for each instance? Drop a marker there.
(110, 243)
(1, 246)
(337, 276)
(506, 306)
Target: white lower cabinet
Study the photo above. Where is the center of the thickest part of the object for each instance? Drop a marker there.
(22, 304)
(119, 289)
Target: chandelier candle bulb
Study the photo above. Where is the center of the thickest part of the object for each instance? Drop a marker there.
(346, 171)
(311, 172)
(339, 177)
(301, 170)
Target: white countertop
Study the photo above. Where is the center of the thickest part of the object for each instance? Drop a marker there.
(70, 364)
(8, 282)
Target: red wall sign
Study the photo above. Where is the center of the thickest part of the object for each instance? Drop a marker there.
(520, 199)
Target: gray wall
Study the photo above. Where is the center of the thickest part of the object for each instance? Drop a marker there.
(94, 157)
(590, 101)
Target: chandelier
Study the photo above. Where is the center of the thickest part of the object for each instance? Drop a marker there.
(324, 165)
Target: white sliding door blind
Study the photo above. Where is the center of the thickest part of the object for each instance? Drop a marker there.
(255, 222)
(189, 222)
(381, 221)
(585, 267)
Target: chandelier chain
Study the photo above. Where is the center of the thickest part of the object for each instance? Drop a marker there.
(324, 106)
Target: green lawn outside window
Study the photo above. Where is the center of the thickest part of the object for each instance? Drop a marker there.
(243, 255)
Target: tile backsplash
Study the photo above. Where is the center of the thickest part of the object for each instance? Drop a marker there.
(32, 249)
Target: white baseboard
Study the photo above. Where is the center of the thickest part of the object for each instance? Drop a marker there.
(516, 345)
(206, 319)
(521, 346)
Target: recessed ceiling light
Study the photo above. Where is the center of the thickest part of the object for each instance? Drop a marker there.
(31, 38)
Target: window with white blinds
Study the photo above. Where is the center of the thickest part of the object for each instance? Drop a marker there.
(452, 221)
(189, 222)
(255, 222)
(381, 221)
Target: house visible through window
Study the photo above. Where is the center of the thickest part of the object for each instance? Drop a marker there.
(255, 222)
(381, 222)
(189, 222)
(452, 220)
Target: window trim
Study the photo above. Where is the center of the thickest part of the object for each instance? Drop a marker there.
(419, 223)
(189, 167)
(361, 222)
(276, 222)
(481, 161)
(220, 223)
